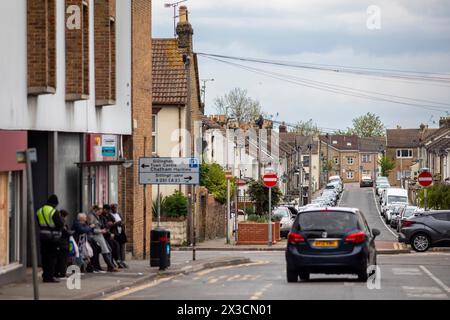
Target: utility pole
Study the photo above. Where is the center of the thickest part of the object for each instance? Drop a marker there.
(310, 172)
(300, 174)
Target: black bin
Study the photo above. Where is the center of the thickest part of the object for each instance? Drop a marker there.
(160, 248)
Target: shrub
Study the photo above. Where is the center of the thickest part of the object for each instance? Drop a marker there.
(175, 205)
(259, 194)
(212, 176)
(438, 197)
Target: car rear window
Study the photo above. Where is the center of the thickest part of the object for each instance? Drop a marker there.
(330, 221)
(281, 212)
(397, 199)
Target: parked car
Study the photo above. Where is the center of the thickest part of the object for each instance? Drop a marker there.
(286, 219)
(426, 229)
(330, 241)
(392, 195)
(336, 179)
(366, 182)
(391, 209)
(396, 212)
(381, 187)
(405, 213)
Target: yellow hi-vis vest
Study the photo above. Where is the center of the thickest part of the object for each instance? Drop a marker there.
(45, 216)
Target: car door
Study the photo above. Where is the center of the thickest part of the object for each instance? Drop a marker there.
(368, 232)
(441, 224)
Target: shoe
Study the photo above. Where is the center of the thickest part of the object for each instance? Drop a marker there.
(123, 264)
(52, 280)
(112, 270)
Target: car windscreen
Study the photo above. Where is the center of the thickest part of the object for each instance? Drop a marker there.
(281, 212)
(397, 199)
(330, 221)
(409, 213)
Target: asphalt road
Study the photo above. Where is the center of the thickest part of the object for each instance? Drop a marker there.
(407, 276)
(364, 199)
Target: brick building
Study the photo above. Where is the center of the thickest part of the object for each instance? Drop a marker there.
(76, 85)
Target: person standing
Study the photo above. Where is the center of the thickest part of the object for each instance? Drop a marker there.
(63, 248)
(50, 225)
(118, 229)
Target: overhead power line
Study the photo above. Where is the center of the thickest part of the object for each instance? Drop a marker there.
(373, 72)
(343, 90)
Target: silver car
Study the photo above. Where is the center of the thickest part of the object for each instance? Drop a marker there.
(286, 221)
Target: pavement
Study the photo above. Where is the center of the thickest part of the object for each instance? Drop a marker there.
(95, 286)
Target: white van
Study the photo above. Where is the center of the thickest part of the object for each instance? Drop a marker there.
(392, 195)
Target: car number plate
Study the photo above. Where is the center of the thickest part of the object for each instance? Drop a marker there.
(326, 244)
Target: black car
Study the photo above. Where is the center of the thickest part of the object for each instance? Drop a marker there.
(330, 241)
(426, 229)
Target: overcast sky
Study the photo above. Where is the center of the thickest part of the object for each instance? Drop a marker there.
(414, 35)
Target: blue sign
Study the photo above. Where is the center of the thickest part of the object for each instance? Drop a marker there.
(193, 163)
(109, 151)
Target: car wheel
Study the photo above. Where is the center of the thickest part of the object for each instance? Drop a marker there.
(291, 276)
(304, 276)
(420, 242)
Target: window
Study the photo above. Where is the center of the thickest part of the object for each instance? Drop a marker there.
(365, 158)
(154, 134)
(404, 153)
(405, 174)
(444, 216)
(366, 172)
(350, 175)
(336, 160)
(41, 46)
(306, 161)
(350, 160)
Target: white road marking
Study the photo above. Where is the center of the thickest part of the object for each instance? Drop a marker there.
(406, 271)
(257, 263)
(381, 218)
(435, 279)
(127, 292)
(424, 292)
(258, 294)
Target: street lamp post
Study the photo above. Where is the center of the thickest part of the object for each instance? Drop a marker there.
(205, 81)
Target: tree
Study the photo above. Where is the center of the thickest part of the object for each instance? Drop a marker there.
(259, 194)
(306, 128)
(438, 197)
(212, 176)
(387, 165)
(366, 126)
(237, 105)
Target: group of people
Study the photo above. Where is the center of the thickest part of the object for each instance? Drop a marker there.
(101, 232)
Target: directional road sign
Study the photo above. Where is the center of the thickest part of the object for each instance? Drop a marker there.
(169, 171)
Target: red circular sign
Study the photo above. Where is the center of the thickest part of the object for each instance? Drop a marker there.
(270, 180)
(425, 179)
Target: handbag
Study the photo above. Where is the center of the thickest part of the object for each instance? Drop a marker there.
(49, 233)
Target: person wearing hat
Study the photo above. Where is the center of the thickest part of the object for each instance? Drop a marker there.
(51, 225)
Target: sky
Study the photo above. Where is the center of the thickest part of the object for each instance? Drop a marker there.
(412, 35)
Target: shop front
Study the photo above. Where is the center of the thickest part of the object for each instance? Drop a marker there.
(12, 207)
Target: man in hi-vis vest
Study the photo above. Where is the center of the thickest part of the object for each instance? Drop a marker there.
(51, 225)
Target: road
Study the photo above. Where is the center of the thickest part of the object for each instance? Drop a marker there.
(405, 276)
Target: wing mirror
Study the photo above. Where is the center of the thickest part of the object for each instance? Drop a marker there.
(376, 232)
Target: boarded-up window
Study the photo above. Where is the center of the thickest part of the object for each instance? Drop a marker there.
(41, 46)
(77, 50)
(105, 52)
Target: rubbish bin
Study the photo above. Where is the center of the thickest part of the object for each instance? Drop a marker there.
(160, 249)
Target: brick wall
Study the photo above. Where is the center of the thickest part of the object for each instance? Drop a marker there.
(139, 200)
(105, 52)
(41, 46)
(77, 53)
(178, 231)
(255, 233)
(212, 218)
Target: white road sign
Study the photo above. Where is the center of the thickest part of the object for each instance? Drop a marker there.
(169, 171)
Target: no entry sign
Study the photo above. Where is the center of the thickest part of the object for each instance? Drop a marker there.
(425, 179)
(270, 180)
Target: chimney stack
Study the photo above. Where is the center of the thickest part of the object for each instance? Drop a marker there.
(282, 128)
(184, 30)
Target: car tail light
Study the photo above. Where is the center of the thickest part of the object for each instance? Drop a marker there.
(407, 223)
(295, 238)
(356, 238)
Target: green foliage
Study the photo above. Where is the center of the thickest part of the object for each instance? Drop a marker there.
(328, 165)
(212, 176)
(438, 197)
(172, 206)
(259, 194)
(366, 126)
(306, 128)
(249, 211)
(387, 165)
(257, 218)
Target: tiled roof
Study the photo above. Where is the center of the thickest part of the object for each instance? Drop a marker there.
(407, 138)
(341, 142)
(293, 139)
(169, 76)
(372, 144)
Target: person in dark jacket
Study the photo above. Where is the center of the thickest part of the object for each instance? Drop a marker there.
(118, 229)
(51, 226)
(110, 237)
(63, 248)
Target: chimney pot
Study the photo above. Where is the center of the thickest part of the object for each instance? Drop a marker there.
(183, 14)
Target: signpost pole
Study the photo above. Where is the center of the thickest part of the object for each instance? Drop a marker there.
(270, 217)
(193, 195)
(159, 207)
(228, 210)
(425, 198)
